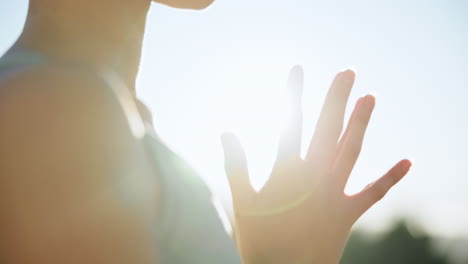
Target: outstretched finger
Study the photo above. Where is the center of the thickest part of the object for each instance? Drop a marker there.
(330, 124)
(350, 145)
(377, 190)
(345, 134)
(235, 164)
(290, 141)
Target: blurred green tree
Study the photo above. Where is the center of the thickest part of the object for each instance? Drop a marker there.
(396, 246)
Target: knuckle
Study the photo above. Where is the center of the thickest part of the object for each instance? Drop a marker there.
(338, 126)
(330, 174)
(379, 192)
(334, 122)
(363, 119)
(354, 149)
(391, 181)
(331, 130)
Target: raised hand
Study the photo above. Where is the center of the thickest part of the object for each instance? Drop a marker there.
(302, 214)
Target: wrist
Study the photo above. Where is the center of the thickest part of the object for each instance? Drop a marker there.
(295, 256)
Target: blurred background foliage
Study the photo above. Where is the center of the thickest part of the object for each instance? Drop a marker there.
(403, 243)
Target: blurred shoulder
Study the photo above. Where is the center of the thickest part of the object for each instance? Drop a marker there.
(49, 79)
(71, 102)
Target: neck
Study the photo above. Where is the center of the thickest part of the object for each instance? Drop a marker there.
(102, 35)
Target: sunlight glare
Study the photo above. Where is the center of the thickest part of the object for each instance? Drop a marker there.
(257, 123)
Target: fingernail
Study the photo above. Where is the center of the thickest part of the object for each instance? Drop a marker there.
(353, 68)
(359, 101)
(225, 137)
(348, 75)
(369, 101)
(410, 163)
(297, 68)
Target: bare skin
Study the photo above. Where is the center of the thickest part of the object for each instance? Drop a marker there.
(302, 215)
(64, 189)
(67, 152)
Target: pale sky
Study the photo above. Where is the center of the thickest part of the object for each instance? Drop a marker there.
(225, 68)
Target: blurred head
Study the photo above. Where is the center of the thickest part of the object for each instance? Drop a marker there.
(188, 4)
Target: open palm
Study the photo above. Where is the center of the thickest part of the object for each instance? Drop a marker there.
(302, 214)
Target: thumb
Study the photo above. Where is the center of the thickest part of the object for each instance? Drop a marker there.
(235, 164)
